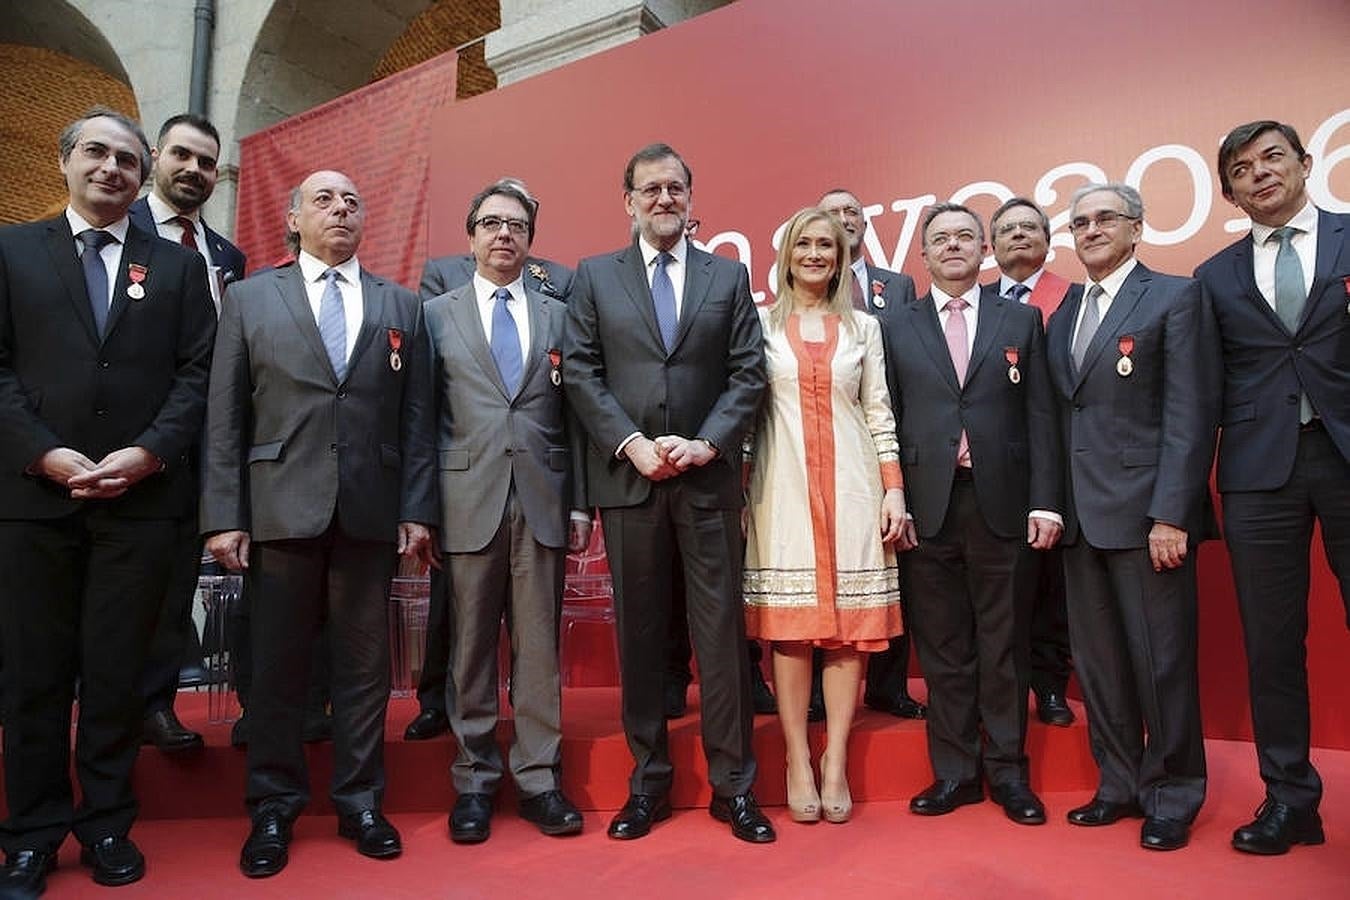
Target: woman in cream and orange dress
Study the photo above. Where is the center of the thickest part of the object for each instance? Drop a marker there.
(825, 502)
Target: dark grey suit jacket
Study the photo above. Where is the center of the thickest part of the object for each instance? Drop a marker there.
(445, 273)
(143, 384)
(621, 380)
(488, 439)
(289, 448)
(1265, 367)
(229, 258)
(1014, 444)
(897, 291)
(1138, 448)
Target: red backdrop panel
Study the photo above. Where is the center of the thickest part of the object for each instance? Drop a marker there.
(774, 101)
(380, 137)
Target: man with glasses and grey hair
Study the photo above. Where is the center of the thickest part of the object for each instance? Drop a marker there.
(105, 340)
(1135, 366)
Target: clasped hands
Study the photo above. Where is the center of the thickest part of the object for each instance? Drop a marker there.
(106, 479)
(668, 455)
(415, 541)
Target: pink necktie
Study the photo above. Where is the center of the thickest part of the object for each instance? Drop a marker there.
(956, 346)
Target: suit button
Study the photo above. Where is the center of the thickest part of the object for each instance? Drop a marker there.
(509, 451)
(1078, 407)
(103, 364)
(332, 448)
(100, 412)
(342, 395)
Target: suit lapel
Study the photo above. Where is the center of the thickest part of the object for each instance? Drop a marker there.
(1061, 363)
(697, 282)
(464, 314)
(633, 276)
(290, 284)
(1244, 271)
(1131, 292)
(540, 312)
(923, 317)
(61, 246)
(136, 251)
(372, 316)
(988, 324)
(1331, 246)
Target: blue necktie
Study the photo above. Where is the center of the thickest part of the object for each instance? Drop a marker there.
(1291, 295)
(1017, 292)
(95, 275)
(333, 324)
(506, 342)
(663, 296)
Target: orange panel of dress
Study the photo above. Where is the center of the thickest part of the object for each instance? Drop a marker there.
(822, 454)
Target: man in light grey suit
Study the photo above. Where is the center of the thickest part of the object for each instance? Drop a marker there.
(318, 465)
(508, 478)
(664, 363)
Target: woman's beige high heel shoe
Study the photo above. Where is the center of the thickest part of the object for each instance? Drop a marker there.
(803, 805)
(836, 806)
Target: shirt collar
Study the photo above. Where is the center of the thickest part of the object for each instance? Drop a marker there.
(649, 253)
(1304, 220)
(971, 296)
(485, 290)
(117, 229)
(312, 268)
(1004, 282)
(162, 212)
(1112, 282)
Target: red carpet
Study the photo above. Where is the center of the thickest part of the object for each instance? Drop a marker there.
(883, 852)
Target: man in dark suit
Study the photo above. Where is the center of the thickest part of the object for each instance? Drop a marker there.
(1281, 298)
(318, 469)
(982, 477)
(442, 275)
(1020, 233)
(513, 502)
(664, 364)
(1134, 365)
(183, 177)
(882, 293)
(105, 341)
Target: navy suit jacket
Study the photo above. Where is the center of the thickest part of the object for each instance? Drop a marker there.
(897, 291)
(445, 273)
(1138, 447)
(226, 256)
(1265, 367)
(1010, 424)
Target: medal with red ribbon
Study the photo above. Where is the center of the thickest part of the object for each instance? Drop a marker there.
(555, 360)
(136, 274)
(878, 292)
(1125, 365)
(1013, 355)
(395, 344)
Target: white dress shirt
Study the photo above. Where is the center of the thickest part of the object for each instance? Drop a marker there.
(486, 293)
(1005, 284)
(110, 253)
(169, 228)
(1110, 285)
(1304, 243)
(349, 284)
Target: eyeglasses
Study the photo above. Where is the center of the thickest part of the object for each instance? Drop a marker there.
(943, 238)
(493, 224)
(1026, 227)
(652, 192)
(95, 151)
(1103, 220)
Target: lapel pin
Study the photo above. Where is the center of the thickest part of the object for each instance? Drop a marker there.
(1125, 365)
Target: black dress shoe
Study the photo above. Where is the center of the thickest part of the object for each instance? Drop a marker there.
(941, 797)
(115, 861)
(1159, 833)
(747, 822)
(902, 707)
(471, 819)
(264, 852)
(765, 703)
(374, 835)
(1277, 827)
(1053, 709)
(163, 729)
(26, 872)
(674, 699)
(193, 675)
(552, 812)
(1019, 803)
(430, 723)
(638, 815)
(1102, 812)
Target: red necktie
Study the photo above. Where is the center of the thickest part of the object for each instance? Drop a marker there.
(189, 238)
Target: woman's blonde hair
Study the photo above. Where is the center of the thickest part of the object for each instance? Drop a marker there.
(839, 296)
